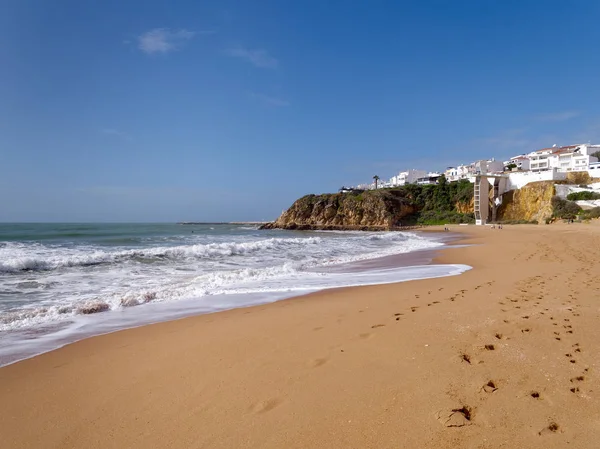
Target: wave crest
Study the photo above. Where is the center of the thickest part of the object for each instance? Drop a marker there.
(16, 258)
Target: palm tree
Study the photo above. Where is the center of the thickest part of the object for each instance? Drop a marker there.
(376, 178)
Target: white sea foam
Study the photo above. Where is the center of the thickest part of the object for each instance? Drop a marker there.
(15, 257)
(66, 286)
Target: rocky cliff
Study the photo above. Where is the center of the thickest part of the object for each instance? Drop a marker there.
(533, 202)
(382, 209)
(368, 210)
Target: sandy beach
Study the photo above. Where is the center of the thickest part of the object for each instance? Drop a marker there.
(502, 356)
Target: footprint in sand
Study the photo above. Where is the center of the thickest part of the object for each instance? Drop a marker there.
(375, 326)
(317, 362)
(413, 308)
(465, 358)
(458, 417)
(266, 406)
(535, 395)
(550, 429)
(490, 387)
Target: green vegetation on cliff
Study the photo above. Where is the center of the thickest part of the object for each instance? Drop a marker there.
(584, 195)
(446, 202)
(382, 208)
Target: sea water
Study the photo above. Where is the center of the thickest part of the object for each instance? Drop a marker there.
(63, 282)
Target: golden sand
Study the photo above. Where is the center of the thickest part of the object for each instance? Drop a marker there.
(503, 356)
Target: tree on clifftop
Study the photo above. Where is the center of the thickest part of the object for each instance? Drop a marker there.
(376, 178)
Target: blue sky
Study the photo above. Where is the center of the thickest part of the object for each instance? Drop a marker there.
(185, 110)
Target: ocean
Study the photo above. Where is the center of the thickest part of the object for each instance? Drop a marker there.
(63, 282)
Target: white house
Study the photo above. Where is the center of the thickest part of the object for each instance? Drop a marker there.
(586, 149)
(465, 171)
(522, 162)
(407, 177)
(568, 159)
(451, 174)
(429, 178)
(539, 160)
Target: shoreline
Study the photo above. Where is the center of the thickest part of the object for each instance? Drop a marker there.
(501, 356)
(61, 333)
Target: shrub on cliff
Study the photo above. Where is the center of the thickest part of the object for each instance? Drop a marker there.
(583, 196)
(564, 209)
(440, 197)
(444, 217)
(590, 213)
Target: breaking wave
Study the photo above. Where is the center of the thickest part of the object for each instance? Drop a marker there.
(17, 257)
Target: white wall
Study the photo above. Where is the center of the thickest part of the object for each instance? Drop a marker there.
(516, 180)
(594, 170)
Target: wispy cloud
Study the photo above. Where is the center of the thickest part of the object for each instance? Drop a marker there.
(557, 116)
(259, 58)
(164, 40)
(269, 100)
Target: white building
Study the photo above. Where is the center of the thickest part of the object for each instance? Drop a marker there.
(466, 171)
(429, 178)
(586, 149)
(539, 160)
(570, 158)
(567, 158)
(407, 177)
(522, 162)
(594, 169)
(488, 166)
(451, 174)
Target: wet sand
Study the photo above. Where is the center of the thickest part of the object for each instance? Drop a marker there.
(503, 356)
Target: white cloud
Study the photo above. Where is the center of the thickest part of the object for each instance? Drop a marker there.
(258, 58)
(269, 100)
(557, 116)
(163, 40)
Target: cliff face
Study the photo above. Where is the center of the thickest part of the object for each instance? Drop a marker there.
(532, 203)
(369, 210)
(465, 208)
